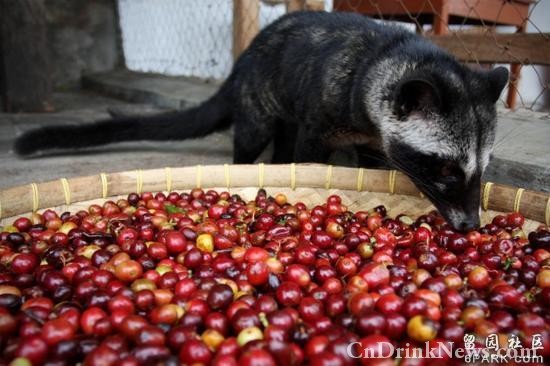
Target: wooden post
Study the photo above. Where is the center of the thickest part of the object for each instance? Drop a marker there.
(441, 19)
(315, 5)
(295, 5)
(246, 24)
(24, 56)
(515, 71)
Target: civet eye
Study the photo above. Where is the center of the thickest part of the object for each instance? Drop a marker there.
(449, 179)
(449, 173)
(447, 169)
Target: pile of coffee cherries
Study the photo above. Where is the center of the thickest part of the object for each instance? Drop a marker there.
(208, 278)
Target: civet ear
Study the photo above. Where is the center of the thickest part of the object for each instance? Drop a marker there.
(497, 80)
(415, 95)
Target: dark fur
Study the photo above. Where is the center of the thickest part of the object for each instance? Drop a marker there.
(309, 83)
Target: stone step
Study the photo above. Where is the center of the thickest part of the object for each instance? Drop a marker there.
(162, 91)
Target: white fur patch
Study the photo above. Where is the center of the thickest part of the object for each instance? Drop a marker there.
(470, 166)
(421, 134)
(485, 157)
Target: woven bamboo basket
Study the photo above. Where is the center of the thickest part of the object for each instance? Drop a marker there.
(360, 189)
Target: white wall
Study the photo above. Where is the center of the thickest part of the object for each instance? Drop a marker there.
(175, 37)
(183, 37)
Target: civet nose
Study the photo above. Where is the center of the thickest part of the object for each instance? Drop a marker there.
(467, 225)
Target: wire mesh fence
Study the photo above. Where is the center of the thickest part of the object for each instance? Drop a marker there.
(191, 37)
(201, 38)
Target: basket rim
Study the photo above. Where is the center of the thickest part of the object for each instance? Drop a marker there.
(31, 197)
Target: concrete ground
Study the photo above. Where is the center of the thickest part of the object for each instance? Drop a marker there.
(521, 156)
(87, 107)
